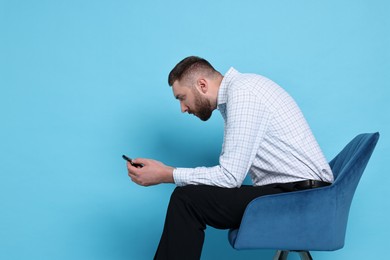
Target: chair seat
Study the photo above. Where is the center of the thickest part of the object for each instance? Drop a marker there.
(294, 221)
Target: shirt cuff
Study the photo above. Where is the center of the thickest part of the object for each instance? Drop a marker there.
(179, 176)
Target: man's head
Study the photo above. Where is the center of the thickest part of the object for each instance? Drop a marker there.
(195, 83)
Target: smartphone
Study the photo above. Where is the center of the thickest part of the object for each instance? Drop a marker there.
(138, 165)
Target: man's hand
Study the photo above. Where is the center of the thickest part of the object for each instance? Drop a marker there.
(152, 173)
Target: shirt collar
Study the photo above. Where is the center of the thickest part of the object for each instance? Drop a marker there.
(226, 81)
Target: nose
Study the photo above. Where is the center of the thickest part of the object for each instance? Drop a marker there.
(183, 107)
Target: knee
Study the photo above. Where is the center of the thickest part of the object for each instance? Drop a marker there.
(183, 193)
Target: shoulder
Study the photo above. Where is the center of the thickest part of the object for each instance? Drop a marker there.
(255, 85)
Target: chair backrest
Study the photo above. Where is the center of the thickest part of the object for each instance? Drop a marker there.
(358, 151)
(348, 167)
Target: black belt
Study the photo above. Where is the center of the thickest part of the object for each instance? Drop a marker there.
(310, 184)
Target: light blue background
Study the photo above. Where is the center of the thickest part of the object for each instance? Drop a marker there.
(82, 82)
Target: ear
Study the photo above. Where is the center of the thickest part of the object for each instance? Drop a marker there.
(203, 85)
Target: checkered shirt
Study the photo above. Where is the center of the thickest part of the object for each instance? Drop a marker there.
(265, 135)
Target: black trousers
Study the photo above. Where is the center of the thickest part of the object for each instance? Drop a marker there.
(193, 207)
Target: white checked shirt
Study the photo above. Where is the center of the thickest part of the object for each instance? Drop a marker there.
(265, 135)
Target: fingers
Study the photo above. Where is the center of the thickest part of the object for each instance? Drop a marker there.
(133, 175)
(143, 176)
(138, 179)
(132, 170)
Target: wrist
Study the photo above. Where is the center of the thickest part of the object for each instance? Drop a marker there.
(168, 175)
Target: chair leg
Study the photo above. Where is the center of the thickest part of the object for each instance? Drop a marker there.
(305, 255)
(281, 255)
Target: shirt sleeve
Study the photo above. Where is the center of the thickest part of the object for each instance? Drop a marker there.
(247, 120)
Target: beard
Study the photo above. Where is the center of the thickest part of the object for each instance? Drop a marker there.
(203, 108)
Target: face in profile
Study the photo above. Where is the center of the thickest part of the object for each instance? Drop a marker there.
(192, 102)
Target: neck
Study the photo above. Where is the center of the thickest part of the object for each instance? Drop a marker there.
(215, 89)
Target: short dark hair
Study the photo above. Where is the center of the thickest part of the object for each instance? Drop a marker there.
(188, 66)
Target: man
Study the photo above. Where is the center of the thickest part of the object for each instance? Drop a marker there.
(265, 135)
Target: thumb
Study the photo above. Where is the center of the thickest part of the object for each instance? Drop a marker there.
(142, 161)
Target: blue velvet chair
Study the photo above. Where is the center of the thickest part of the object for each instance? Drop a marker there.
(307, 220)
